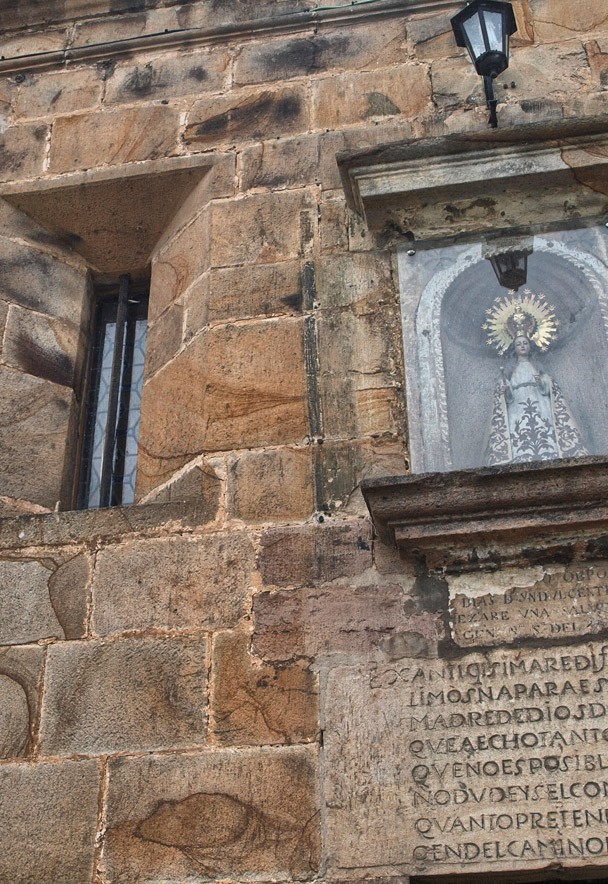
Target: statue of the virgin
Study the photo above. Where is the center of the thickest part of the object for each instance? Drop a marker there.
(530, 417)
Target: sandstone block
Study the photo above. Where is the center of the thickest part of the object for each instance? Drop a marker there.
(48, 820)
(124, 136)
(172, 583)
(286, 162)
(380, 131)
(254, 704)
(133, 694)
(45, 94)
(364, 280)
(553, 19)
(333, 227)
(35, 426)
(247, 116)
(38, 281)
(164, 338)
(271, 486)
(261, 229)
(356, 97)
(216, 815)
(363, 48)
(232, 387)
(16, 43)
(297, 556)
(20, 676)
(41, 346)
(22, 151)
(339, 620)
(431, 36)
(179, 264)
(68, 592)
(163, 77)
(26, 613)
(199, 483)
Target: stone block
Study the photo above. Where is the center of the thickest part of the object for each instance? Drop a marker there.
(198, 482)
(224, 814)
(286, 162)
(172, 583)
(265, 290)
(124, 136)
(129, 695)
(255, 704)
(22, 151)
(271, 486)
(353, 620)
(69, 593)
(40, 281)
(41, 346)
(232, 387)
(19, 43)
(179, 264)
(381, 131)
(362, 48)
(431, 36)
(363, 280)
(355, 97)
(27, 603)
(553, 72)
(260, 229)
(162, 77)
(333, 226)
(309, 554)
(35, 427)
(48, 94)
(48, 820)
(556, 20)
(164, 338)
(20, 684)
(247, 116)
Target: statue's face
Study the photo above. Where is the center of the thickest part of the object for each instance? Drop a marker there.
(522, 345)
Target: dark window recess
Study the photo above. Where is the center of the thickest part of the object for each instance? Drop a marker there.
(111, 426)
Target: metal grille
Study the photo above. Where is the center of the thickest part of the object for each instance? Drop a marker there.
(111, 428)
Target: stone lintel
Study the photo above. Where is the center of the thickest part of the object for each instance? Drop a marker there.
(395, 181)
(524, 505)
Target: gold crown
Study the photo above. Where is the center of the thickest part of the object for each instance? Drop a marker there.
(514, 315)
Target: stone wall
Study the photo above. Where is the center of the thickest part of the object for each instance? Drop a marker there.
(170, 672)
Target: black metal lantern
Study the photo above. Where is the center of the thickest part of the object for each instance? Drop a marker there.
(509, 259)
(484, 27)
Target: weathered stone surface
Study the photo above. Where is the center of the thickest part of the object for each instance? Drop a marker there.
(298, 556)
(247, 116)
(26, 613)
(42, 95)
(260, 229)
(88, 140)
(199, 482)
(161, 77)
(213, 814)
(41, 346)
(22, 153)
(431, 36)
(48, 819)
(222, 392)
(341, 620)
(271, 486)
(133, 694)
(179, 582)
(354, 98)
(179, 264)
(285, 162)
(33, 434)
(362, 48)
(68, 592)
(164, 338)
(20, 676)
(265, 290)
(551, 602)
(39, 281)
(513, 736)
(563, 19)
(254, 704)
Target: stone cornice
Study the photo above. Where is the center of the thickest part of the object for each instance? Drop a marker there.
(190, 37)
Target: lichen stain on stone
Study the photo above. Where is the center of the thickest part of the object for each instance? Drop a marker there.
(380, 105)
(216, 831)
(258, 111)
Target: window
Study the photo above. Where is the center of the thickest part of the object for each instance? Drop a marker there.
(111, 421)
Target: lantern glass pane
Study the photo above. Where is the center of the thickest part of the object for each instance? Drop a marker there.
(494, 27)
(474, 36)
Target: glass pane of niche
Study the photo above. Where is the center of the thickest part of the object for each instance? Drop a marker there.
(506, 348)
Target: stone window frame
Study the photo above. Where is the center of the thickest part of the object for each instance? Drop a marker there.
(511, 513)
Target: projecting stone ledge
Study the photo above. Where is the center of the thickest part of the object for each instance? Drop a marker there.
(481, 518)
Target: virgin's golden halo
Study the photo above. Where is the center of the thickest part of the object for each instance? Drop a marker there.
(528, 314)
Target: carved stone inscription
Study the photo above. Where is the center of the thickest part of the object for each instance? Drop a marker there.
(495, 762)
(534, 603)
